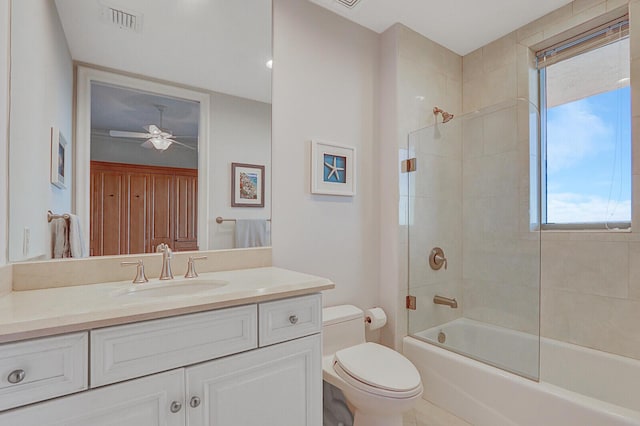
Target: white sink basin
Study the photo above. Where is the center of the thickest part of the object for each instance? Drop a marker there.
(182, 287)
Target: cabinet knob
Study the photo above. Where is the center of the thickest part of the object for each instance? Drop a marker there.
(194, 402)
(16, 376)
(293, 319)
(175, 406)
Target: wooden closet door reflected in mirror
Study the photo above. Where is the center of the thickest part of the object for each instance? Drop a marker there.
(135, 207)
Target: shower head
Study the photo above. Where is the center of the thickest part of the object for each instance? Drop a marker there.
(445, 115)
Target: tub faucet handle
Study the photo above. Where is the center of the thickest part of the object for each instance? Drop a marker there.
(437, 259)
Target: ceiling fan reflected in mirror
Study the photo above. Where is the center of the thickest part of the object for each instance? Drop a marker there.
(156, 137)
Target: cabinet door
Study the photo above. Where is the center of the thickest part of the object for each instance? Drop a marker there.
(186, 198)
(162, 216)
(141, 402)
(280, 385)
(137, 213)
(108, 211)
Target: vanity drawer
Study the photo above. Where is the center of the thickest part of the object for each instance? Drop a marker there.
(40, 369)
(288, 319)
(127, 351)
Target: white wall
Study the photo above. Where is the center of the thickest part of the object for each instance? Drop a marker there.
(4, 122)
(42, 72)
(393, 239)
(325, 86)
(240, 133)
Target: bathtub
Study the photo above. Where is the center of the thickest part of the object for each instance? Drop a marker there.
(578, 386)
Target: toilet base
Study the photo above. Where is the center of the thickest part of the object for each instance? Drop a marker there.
(363, 419)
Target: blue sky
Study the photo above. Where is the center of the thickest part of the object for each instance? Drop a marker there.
(589, 159)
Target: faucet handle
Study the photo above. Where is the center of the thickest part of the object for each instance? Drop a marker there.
(140, 276)
(437, 259)
(191, 268)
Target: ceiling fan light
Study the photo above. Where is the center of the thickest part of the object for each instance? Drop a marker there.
(160, 143)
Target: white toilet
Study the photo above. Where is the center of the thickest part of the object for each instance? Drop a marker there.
(379, 383)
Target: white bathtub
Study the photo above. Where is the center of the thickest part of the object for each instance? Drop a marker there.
(578, 386)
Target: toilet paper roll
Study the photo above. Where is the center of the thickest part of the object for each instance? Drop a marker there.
(376, 318)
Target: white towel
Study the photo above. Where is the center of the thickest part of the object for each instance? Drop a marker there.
(76, 238)
(251, 233)
(59, 238)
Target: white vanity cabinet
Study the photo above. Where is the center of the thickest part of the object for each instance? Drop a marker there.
(127, 351)
(35, 370)
(219, 371)
(280, 385)
(141, 402)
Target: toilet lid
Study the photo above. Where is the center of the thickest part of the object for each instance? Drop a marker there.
(379, 367)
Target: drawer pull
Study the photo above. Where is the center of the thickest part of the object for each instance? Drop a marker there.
(175, 406)
(16, 376)
(293, 319)
(194, 402)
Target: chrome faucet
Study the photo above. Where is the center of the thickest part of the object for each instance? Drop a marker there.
(166, 273)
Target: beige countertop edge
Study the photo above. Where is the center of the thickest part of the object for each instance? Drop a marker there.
(43, 327)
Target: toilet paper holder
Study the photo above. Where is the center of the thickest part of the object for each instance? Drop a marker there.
(375, 318)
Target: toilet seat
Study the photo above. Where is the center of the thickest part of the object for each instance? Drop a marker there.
(378, 370)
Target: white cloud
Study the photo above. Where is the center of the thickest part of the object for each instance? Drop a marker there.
(574, 133)
(577, 208)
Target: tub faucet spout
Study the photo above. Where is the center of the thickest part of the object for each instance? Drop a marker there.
(440, 300)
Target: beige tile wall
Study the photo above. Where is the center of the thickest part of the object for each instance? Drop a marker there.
(431, 75)
(417, 74)
(435, 220)
(590, 290)
(590, 281)
(500, 255)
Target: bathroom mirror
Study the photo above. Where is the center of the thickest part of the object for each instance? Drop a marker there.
(104, 75)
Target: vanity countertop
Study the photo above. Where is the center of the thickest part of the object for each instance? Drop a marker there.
(38, 313)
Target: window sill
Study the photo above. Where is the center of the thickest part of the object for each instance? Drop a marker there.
(616, 227)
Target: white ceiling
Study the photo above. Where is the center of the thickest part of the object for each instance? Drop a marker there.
(219, 45)
(117, 108)
(459, 25)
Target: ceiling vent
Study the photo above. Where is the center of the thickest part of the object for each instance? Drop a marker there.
(348, 3)
(124, 19)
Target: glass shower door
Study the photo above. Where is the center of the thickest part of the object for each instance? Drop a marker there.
(474, 238)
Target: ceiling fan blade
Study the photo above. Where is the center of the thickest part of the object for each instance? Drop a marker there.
(183, 144)
(147, 144)
(121, 134)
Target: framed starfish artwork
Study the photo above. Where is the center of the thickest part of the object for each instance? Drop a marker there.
(333, 169)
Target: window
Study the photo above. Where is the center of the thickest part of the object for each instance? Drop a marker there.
(585, 100)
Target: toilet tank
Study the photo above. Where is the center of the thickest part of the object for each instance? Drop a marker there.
(342, 327)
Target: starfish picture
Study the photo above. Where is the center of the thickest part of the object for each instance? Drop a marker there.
(335, 170)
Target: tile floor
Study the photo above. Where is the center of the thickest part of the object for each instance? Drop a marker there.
(427, 414)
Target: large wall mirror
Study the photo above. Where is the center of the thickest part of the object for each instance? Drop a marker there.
(136, 123)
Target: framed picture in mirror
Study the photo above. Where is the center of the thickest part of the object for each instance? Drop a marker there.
(58, 158)
(247, 185)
